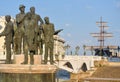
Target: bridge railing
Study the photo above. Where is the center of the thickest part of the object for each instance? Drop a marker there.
(82, 57)
(102, 79)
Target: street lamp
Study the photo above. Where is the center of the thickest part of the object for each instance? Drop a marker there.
(66, 48)
(76, 50)
(84, 46)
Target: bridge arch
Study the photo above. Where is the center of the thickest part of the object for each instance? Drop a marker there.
(68, 64)
(84, 67)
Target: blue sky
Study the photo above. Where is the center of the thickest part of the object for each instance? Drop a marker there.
(77, 17)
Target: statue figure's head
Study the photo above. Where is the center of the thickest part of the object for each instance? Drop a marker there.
(22, 7)
(46, 20)
(7, 18)
(32, 10)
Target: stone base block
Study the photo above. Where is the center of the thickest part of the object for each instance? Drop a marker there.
(18, 59)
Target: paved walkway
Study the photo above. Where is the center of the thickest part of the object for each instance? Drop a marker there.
(103, 79)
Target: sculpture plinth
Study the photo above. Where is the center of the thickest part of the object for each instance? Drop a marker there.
(26, 72)
(14, 68)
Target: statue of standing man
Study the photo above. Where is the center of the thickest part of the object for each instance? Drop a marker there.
(19, 33)
(38, 22)
(29, 39)
(8, 33)
(48, 31)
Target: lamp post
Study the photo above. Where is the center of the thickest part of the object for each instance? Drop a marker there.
(67, 48)
(76, 50)
(118, 50)
(92, 50)
(84, 46)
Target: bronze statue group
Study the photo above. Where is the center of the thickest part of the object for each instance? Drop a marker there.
(30, 35)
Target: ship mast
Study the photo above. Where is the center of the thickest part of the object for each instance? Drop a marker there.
(102, 35)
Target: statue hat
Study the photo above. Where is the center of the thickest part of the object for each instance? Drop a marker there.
(21, 6)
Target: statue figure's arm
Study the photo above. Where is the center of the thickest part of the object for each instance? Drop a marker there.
(53, 28)
(19, 19)
(7, 30)
(40, 19)
(57, 31)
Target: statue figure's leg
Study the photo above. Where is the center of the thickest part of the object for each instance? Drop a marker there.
(40, 48)
(46, 53)
(18, 46)
(8, 54)
(51, 53)
(25, 55)
(32, 57)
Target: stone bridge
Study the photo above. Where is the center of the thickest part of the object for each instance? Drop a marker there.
(76, 64)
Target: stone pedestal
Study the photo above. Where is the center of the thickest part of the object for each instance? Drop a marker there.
(18, 72)
(16, 77)
(18, 59)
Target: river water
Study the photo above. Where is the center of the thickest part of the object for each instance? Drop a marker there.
(62, 74)
(114, 59)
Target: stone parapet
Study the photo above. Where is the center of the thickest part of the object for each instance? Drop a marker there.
(16, 68)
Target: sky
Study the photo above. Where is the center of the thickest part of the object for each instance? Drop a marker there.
(77, 17)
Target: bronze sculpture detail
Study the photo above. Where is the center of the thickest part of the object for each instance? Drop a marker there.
(48, 31)
(32, 33)
(29, 36)
(38, 22)
(19, 33)
(8, 33)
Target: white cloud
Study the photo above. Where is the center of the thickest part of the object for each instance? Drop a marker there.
(68, 35)
(86, 41)
(67, 25)
(89, 7)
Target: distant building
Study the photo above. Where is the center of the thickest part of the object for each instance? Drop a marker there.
(59, 46)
